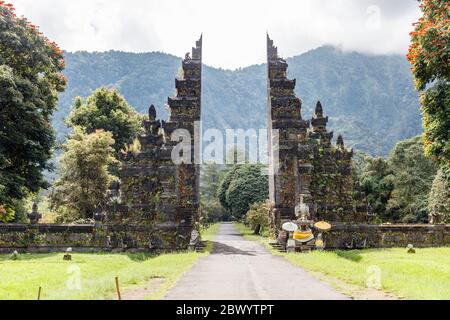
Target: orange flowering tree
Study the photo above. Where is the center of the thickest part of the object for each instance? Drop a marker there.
(30, 80)
(429, 55)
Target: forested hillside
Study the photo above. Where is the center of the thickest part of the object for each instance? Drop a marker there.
(370, 99)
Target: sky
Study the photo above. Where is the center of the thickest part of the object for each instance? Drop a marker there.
(234, 31)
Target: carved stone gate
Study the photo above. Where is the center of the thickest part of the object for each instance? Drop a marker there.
(156, 205)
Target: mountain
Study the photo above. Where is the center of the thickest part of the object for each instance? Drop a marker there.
(370, 99)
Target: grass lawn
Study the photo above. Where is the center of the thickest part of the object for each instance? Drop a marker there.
(20, 279)
(423, 275)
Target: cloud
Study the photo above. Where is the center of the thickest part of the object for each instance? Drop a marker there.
(234, 30)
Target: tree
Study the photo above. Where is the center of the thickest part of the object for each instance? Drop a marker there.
(210, 179)
(413, 175)
(241, 187)
(30, 80)
(439, 198)
(397, 188)
(84, 178)
(436, 121)
(6, 214)
(376, 183)
(429, 55)
(258, 217)
(106, 109)
(224, 185)
(211, 211)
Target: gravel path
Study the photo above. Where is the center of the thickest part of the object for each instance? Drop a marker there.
(239, 269)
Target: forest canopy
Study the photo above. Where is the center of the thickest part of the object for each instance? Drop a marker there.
(30, 80)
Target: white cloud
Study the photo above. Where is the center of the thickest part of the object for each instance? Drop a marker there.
(234, 30)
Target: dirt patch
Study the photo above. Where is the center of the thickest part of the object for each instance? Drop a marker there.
(141, 293)
(354, 291)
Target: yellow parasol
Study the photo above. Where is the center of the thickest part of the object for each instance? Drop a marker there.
(322, 226)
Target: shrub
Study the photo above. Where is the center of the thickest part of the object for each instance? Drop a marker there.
(6, 214)
(258, 217)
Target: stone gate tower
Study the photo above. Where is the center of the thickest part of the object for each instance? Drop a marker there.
(309, 173)
(154, 189)
(290, 159)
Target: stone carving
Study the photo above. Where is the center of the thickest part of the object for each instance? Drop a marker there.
(152, 113)
(34, 216)
(434, 218)
(194, 240)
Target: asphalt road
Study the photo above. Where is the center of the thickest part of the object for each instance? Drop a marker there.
(239, 269)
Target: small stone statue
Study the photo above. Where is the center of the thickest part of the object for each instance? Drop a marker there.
(290, 247)
(99, 217)
(410, 248)
(34, 216)
(195, 240)
(68, 256)
(187, 56)
(319, 242)
(15, 255)
(152, 113)
(319, 110)
(340, 141)
(282, 238)
(434, 218)
(108, 242)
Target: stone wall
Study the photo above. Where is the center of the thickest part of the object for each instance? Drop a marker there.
(41, 238)
(359, 236)
(87, 238)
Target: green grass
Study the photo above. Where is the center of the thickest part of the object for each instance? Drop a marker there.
(20, 279)
(423, 275)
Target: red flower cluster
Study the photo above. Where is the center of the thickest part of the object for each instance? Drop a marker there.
(425, 48)
(8, 9)
(429, 54)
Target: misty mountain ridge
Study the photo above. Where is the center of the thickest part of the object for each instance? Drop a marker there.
(370, 99)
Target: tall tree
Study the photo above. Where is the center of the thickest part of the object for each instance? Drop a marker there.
(106, 109)
(241, 187)
(258, 217)
(429, 55)
(413, 175)
(84, 178)
(439, 198)
(210, 180)
(211, 176)
(376, 183)
(30, 80)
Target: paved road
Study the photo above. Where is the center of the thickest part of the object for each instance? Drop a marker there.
(240, 269)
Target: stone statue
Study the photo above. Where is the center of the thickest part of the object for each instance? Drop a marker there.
(435, 218)
(195, 240)
(319, 109)
(34, 216)
(320, 245)
(152, 113)
(340, 141)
